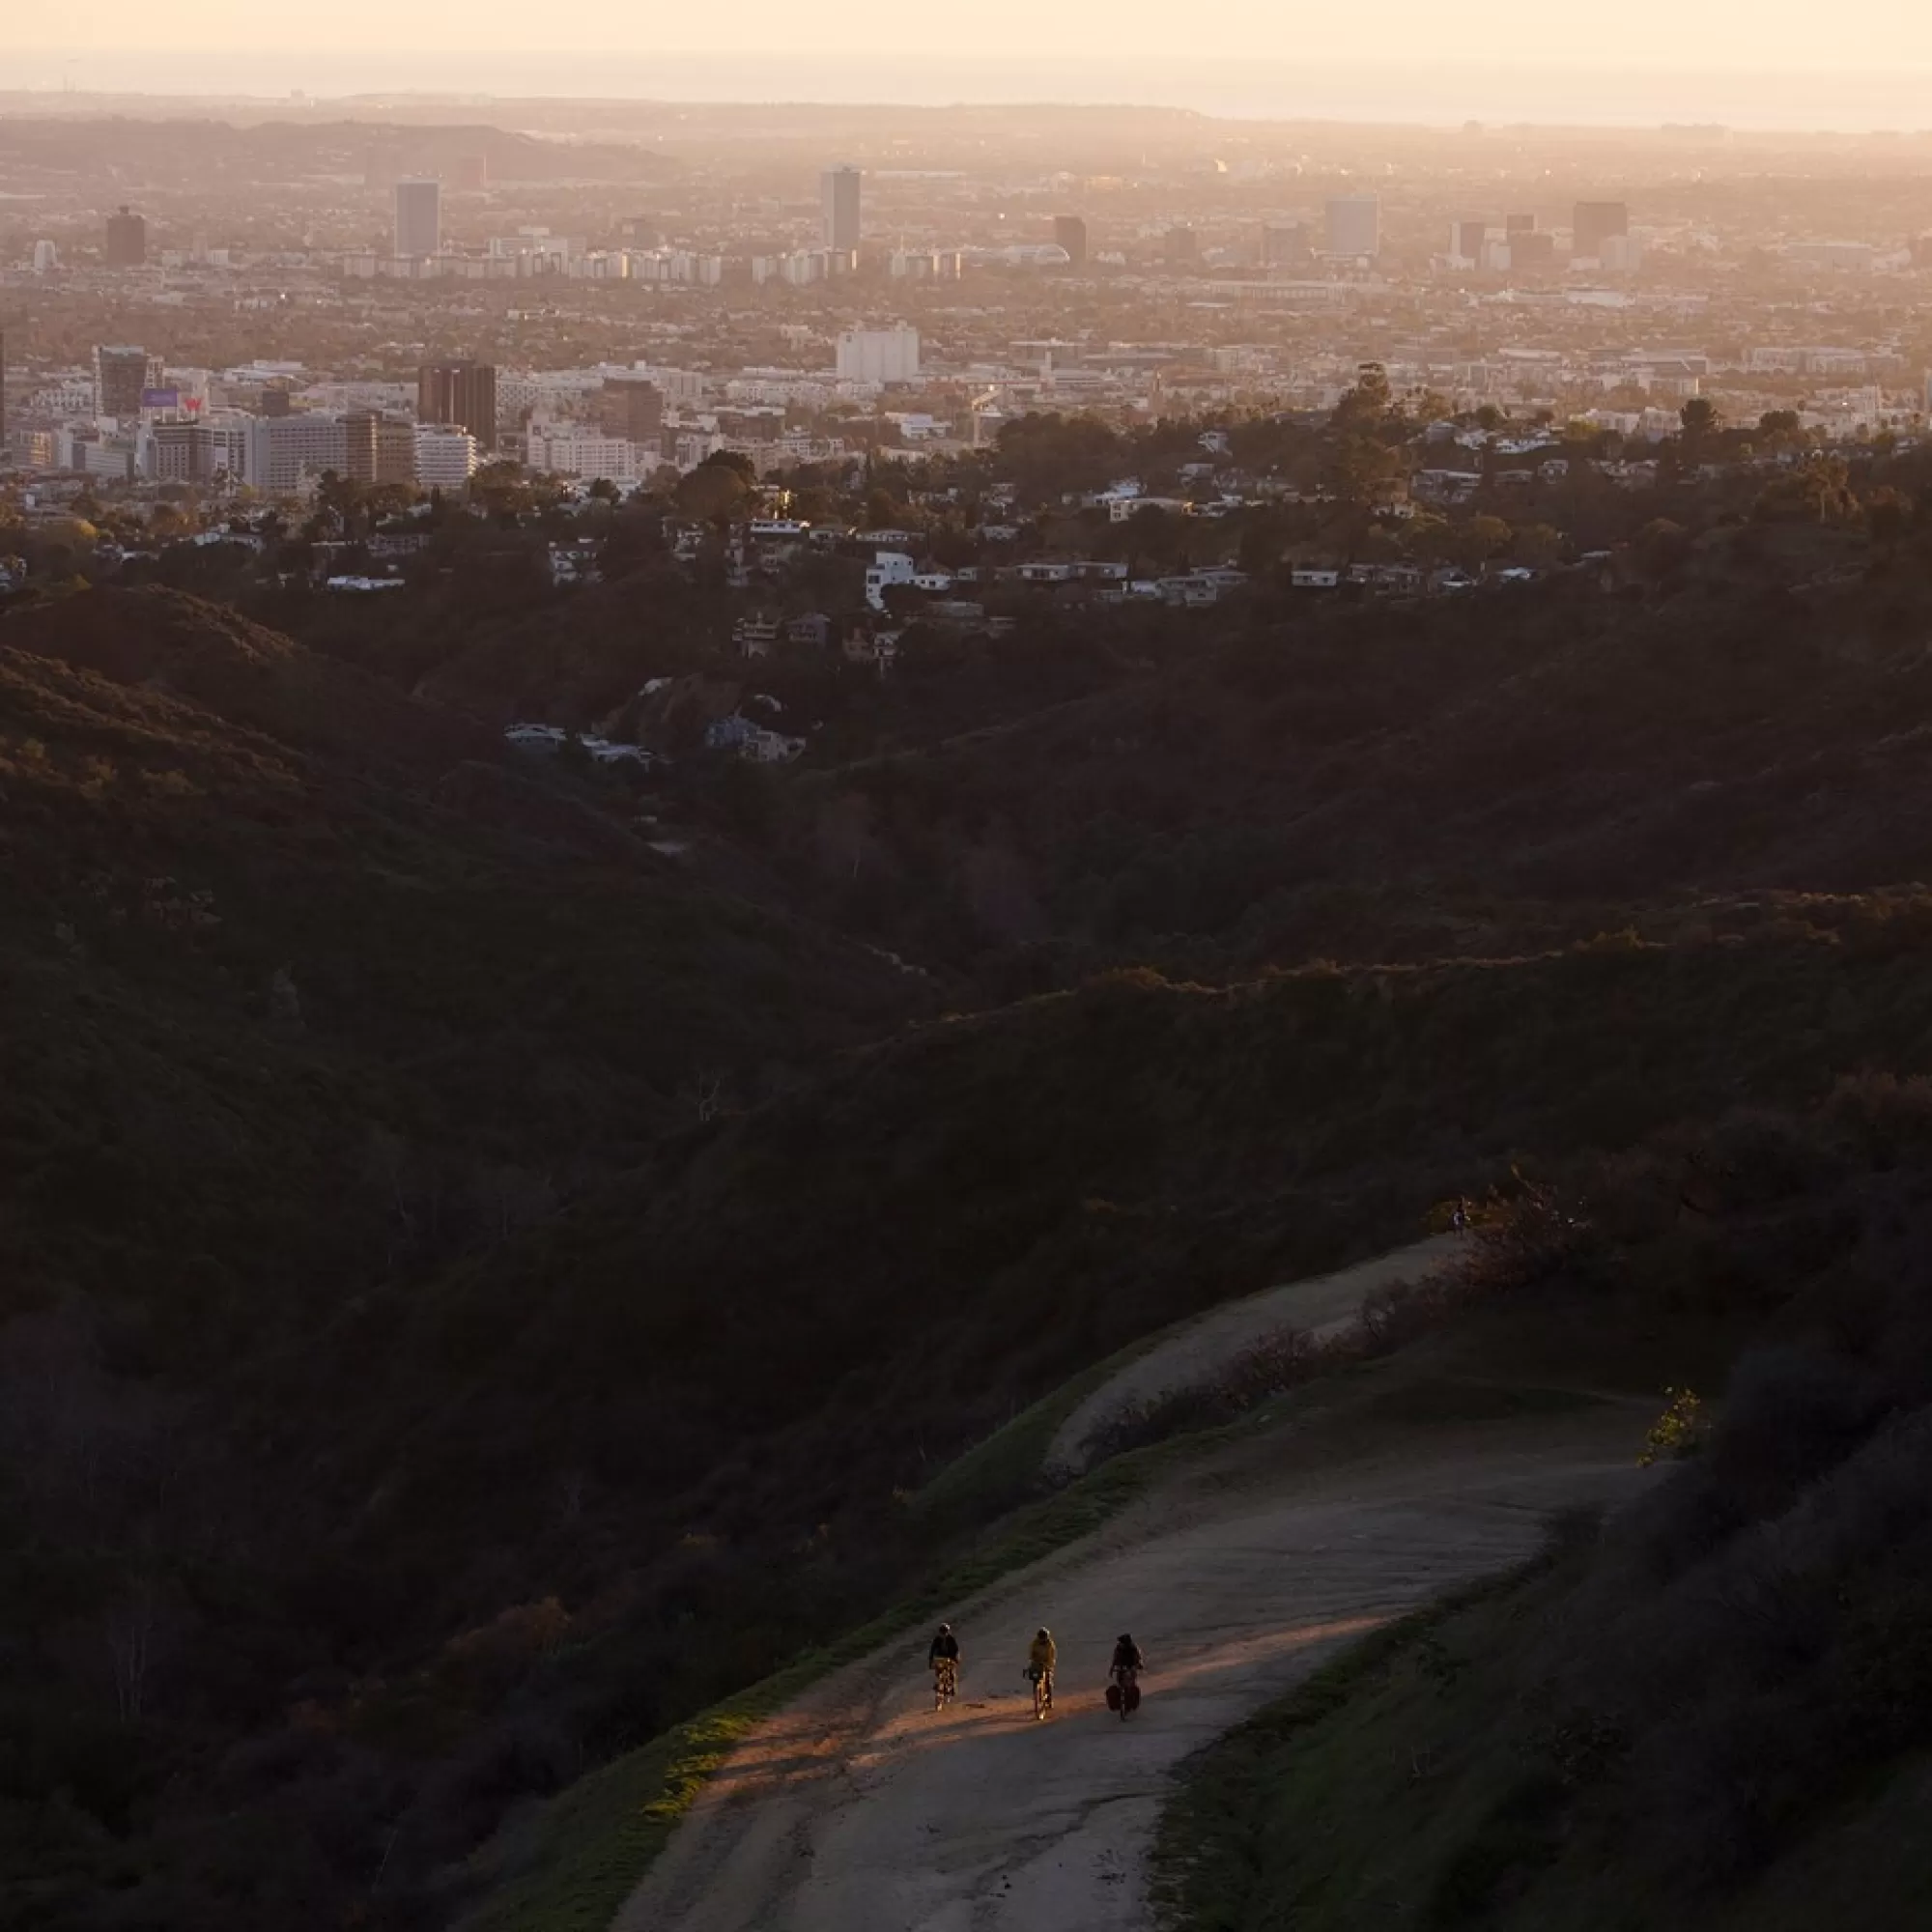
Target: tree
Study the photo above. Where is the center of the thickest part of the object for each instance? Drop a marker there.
(1538, 545)
(1701, 421)
(1367, 404)
(714, 491)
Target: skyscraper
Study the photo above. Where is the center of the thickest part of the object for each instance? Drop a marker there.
(120, 375)
(459, 395)
(1070, 232)
(1594, 223)
(1465, 239)
(378, 448)
(839, 198)
(419, 216)
(127, 239)
(631, 409)
(1354, 225)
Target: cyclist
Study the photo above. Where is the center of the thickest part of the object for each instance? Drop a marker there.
(1042, 1656)
(1123, 1691)
(942, 1658)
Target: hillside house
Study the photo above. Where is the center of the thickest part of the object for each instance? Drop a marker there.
(756, 635)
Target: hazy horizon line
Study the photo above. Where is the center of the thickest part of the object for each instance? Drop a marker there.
(1347, 90)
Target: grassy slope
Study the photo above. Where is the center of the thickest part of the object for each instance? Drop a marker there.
(1713, 1713)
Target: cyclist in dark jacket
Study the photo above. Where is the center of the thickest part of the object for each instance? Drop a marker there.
(945, 1645)
(1126, 1654)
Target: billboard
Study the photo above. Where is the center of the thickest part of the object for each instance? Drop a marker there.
(160, 399)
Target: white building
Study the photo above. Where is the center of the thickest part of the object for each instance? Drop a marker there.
(574, 452)
(283, 449)
(889, 567)
(879, 355)
(445, 457)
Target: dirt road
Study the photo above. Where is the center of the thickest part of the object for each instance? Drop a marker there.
(858, 1811)
(1321, 1305)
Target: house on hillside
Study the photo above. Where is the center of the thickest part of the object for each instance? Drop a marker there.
(756, 635)
(889, 567)
(879, 649)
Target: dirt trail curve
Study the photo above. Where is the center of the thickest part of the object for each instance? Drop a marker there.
(1319, 1305)
(858, 1811)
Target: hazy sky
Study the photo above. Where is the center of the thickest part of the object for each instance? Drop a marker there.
(1865, 63)
(1874, 35)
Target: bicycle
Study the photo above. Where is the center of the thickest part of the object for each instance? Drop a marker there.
(945, 1681)
(1124, 1694)
(1042, 1693)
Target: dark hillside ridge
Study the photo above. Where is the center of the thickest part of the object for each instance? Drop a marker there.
(216, 660)
(1472, 777)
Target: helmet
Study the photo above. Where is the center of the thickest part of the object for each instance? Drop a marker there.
(1042, 1630)
(1123, 1637)
(946, 1630)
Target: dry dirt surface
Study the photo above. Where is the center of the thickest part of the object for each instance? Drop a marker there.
(860, 1810)
(1320, 1306)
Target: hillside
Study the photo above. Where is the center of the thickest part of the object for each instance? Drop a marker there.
(1395, 780)
(1710, 1711)
(477, 1296)
(306, 1001)
(678, 1415)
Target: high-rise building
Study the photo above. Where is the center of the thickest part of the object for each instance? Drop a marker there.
(284, 449)
(120, 375)
(419, 216)
(459, 393)
(1181, 248)
(178, 452)
(879, 355)
(1070, 233)
(631, 410)
(839, 199)
(1518, 224)
(445, 457)
(1465, 239)
(378, 448)
(127, 239)
(473, 173)
(1354, 226)
(1594, 223)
